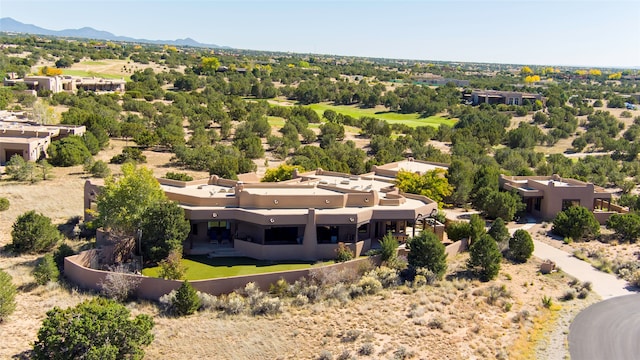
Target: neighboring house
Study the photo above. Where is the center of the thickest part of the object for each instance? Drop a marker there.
(68, 83)
(439, 81)
(546, 196)
(28, 139)
(502, 97)
(303, 219)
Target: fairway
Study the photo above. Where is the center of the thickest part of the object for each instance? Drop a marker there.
(202, 267)
(84, 73)
(412, 120)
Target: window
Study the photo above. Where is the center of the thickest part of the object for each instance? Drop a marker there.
(327, 234)
(567, 203)
(363, 229)
(194, 229)
(516, 101)
(537, 203)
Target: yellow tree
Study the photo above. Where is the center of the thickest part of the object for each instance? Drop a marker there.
(615, 76)
(209, 65)
(526, 70)
(49, 71)
(595, 72)
(432, 184)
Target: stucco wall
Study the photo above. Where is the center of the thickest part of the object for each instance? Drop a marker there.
(153, 288)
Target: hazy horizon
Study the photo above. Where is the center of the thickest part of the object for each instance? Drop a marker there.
(566, 33)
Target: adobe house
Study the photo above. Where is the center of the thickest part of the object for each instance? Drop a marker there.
(68, 83)
(301, 219)
(546, 196)
(502, 97)
(28, 139)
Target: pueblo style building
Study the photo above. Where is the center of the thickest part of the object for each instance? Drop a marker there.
(300, 219)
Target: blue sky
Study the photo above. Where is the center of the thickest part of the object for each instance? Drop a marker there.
(540, 32)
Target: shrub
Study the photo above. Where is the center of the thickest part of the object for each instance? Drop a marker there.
(232, 304)
(458, 230)
(4, 204)
(485, 257)
(436, 322)
(100, 169)
(576, 222)
(370, 285)
(186, 301)
(33, 233)
(426, 251)
(388, 277)
(279, 288)
(129, 154)
(178, 176)
(547, 302)
(366, 349)
(569, 295)
(389, 248)
(46, 270)
(343, 253)
(7, 295)
(119, 285)
(325, 355)
(520, 246)
(68, 151)
(172, 267)
(92, 329)
(62, 252)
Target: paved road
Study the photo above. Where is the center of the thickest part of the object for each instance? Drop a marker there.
(607, 330)
(605, 285)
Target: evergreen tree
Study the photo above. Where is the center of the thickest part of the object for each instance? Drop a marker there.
(485, 257)
(520, 246)
(426, 251)
(186, 301)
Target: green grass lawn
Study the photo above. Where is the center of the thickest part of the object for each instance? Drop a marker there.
(412, 120)
(91, 62)
(201, 267)
(84, 73)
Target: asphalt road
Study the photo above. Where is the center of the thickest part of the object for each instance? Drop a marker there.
(607, 330)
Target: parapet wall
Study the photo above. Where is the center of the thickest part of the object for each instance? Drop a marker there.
(76, 269)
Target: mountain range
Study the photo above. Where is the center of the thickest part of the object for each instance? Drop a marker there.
(8, 24)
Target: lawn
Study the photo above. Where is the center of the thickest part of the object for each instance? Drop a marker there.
(412, 120)
(84, 73)
(201, 267)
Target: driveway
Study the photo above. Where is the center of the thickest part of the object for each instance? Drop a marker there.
(605, 285)
(607, 330)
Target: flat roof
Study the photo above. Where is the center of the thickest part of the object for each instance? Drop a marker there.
(415, 166)
(554, 182)
(203, 191)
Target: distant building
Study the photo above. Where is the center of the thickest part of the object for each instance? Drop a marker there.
(28, 139)
(546, 196)
(478, 97)
(60, 83)
(439, 81)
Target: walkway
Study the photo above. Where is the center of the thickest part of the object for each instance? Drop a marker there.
(605, 285)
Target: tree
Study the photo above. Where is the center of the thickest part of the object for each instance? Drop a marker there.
(100, 169)
(209, 65)
(62, 252)
(186, 301)
(576, 223)
(164, 228)
(33, 233)
(432, 184)
(19, 169)
(94, 329)
(46, 270)
(7, 295)
(499, 231)
(520, 246)
(122, 202)
(485, 257)
(458, 230)
(426, 251)
(477, 227)
(389, 248)
(68, 151)
(281, 173)
(626, 226)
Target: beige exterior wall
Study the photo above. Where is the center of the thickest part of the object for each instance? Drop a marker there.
(77, 271)
(554, 191)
